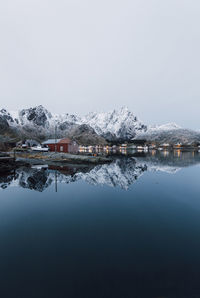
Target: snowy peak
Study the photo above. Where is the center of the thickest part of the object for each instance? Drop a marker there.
(171, 134)
(40, 116)
(116, 124)
(164, 127)
(37, 116)
(4, 114)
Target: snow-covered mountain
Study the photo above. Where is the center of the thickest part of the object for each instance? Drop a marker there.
(38, 121)
(41, 121)
(169, 133)
(163, 127)
(117, 124)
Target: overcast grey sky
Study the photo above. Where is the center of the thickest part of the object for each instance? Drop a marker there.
(84, 55)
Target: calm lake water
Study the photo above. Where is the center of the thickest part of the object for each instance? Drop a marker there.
(126, 229)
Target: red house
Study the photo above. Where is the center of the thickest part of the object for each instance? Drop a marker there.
(62, 145)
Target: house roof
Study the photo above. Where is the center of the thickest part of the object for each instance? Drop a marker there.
(65, 141)
(58, 141)
(51, 141)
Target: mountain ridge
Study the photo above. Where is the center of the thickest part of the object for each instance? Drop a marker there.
(118, 125)
(38, 121)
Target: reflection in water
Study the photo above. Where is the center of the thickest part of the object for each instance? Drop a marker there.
(86, 242)
(122, 172)
(6, 180)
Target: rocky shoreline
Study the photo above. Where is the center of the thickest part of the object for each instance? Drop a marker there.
(61, 158)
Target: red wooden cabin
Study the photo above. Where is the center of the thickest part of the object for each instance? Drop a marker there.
(62, 145)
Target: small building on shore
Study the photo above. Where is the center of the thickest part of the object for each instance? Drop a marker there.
(62, 145)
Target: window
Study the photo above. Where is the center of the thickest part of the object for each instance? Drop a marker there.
(61, 148)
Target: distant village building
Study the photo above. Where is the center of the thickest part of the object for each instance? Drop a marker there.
(139, 142)
(62, 145)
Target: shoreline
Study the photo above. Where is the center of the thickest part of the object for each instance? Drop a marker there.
(60, 158)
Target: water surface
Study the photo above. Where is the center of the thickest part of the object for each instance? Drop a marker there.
(126, 229)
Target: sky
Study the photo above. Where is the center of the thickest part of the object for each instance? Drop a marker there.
(78, 56)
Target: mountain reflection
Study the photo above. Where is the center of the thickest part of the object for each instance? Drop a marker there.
(122, 172)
